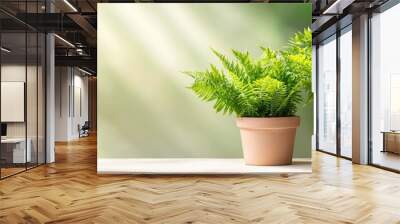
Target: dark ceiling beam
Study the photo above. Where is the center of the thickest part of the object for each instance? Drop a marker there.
(86, 51)
(326, 15)
(81, 61)
(91, 5)
(86, 26)
(49, 22)
(200, 1)
(89, 70)
(344, 12)
(81, 21)
(322, 22)
(11, 25)
(332, 29)
(337, 7)
(15, 18)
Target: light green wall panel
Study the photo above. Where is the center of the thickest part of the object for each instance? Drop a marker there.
(144, 107)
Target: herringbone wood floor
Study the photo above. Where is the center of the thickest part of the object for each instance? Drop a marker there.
(70, 191)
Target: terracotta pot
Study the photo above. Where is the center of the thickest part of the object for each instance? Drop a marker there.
(268, 141)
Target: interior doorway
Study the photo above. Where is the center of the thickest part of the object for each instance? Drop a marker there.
(75, 104)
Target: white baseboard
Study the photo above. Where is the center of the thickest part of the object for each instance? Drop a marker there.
(195, 166)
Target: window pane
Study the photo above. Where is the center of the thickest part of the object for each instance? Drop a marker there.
(327, 96)
(385, 84)
(346, 94)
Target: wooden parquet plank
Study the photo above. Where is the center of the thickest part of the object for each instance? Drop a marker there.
(70, 191)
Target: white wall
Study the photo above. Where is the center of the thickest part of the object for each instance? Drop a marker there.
(62, 82)
(16, 73)
(71, 87)
(80, 108)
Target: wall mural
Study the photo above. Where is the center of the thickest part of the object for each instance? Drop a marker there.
(145, 109)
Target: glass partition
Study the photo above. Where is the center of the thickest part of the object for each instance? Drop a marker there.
(22, 101)
(14, 153)
(327, 95)
(41, 96)
(31, 100)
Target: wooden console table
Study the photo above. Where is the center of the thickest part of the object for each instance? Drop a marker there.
(391, 141)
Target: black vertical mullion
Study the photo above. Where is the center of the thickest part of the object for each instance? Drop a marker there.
(45, 94)
(73, 92)
(26, 86)
(369, 90)
(317, 96)
(338, 73)
(37, 90)
(45, 88)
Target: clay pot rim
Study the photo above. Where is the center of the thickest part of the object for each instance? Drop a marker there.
(268, 117)
(268, 122)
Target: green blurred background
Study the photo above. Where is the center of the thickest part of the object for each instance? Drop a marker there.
(144, 108)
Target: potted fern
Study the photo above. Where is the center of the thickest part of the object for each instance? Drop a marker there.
(264, 94)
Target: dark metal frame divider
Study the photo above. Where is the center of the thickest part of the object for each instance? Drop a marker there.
(44, 101)
(337, 34)
(387, 5)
